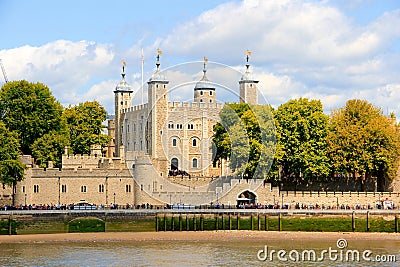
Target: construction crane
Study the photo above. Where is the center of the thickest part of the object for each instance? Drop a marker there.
(4, 71)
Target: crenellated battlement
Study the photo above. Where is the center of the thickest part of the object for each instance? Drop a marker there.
(202, 105)
(135, 108)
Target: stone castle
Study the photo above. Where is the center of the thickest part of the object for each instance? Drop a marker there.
(160, 153)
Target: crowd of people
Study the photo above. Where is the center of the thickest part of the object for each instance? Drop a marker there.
(87, 206)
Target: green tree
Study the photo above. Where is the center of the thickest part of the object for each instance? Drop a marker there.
(84, 125)
(30, 110)
(11, 168)
(364, 142)
(303, 129)
(246, 136)
(50, 147)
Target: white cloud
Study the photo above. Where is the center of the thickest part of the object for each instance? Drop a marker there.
(300, 49)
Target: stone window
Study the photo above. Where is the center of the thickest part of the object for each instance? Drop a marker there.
(141, 145)
(101, 188)
(194, 142)
(35, 188)
(211, 93)
(201, 100)
(174, 142)
(201, 92)
(64, 188)
(190, 126)
(23, 189)
(194, 163)
(134, 127)
(83, 188)
(128, 188)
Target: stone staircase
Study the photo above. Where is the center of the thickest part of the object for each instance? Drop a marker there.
(168, 192)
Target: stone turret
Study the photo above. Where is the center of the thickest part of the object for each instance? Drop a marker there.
(248, 86)
(123, 100)
(157, 112)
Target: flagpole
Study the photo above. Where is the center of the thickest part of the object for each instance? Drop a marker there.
(142, 75)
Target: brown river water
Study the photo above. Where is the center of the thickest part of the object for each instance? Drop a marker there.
(201, 253)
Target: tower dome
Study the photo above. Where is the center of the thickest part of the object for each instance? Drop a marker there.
(157, 75)
(123, 86)
(204, 91)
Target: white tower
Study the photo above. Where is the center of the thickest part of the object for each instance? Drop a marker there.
(123, 100)
(248, 86)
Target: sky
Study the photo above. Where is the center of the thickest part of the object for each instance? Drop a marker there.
(333, 51)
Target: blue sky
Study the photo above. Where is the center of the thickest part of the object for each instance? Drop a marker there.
(328, 50)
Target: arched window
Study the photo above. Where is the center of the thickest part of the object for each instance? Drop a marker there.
(194, 163)
(174, 142)
(194, 142)
(174, 164)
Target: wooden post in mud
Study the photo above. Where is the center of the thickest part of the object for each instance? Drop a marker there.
(172, 223)
(280, 222)
(353, 221)
(187, 223)
(156, 222)
(194, 223)
(258, 222)
(9, 225)
(368, 222)
(230, 221)
(165, 222)
(237, 222)
(201, 222)
(266, 221)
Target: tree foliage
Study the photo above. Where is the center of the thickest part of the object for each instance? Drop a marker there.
(363, 141)
(50, 147)
(30, 110)
(84, 126)
(246, 136)
(11, 168)
(303, 128)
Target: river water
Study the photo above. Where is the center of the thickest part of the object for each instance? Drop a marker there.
(194, 253)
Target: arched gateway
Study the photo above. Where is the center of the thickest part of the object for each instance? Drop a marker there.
(246, 198)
